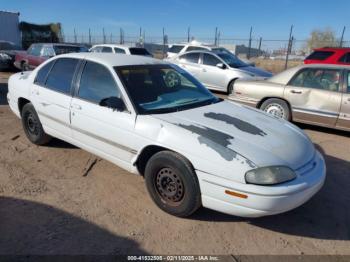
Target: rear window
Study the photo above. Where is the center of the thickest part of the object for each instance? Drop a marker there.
(138, 51)
(63, 49)
(320, 55)
(175, 49)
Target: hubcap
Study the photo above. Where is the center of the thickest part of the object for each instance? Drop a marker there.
(169, 186)
(276, 110)
(32, 124)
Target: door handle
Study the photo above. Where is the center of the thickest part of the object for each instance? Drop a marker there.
(295, 92)
(75, 106)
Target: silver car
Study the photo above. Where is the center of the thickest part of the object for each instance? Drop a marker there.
(313, 94)
(217, 69)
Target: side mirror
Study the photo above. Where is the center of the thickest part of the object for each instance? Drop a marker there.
(113, 102)
(221, 65)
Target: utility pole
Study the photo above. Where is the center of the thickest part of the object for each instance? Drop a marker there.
(250, 42)
(289, 46)
(342, 37)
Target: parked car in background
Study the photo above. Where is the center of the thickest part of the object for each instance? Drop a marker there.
(120, 49)
(329, 55)
(8, 51)
(314, 94)
(217, 69)
(38, 53)
(192, 148)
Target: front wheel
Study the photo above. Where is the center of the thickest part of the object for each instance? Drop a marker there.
(277, 107)
(32, 126)
(172, 184)
(230, 87)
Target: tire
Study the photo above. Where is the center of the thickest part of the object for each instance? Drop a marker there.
(277, 107)
(230, 87)
(172, 184)
(32, 126)
(24, 66)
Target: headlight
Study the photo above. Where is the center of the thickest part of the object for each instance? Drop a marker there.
(269, 175)
(4, 56)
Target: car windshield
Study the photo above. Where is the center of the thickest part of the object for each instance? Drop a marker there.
(9, 46)
(139, 51)
(175, 49)
(64, 49)
(229, 58)
(156, 89)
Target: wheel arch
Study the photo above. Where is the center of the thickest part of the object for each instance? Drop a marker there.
(230, 82)
(21, 103)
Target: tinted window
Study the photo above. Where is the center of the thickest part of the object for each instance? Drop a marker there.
(64, 49)
(119, 51)
(319, 55)
(139, 51)
(61, 75)
(190, 58)
(47, 51)
(345, 58)
(192, 48)
(96, 49)
(326, 79)
(107, 49)
(42, 74)
(175, 48)
(210, 60)
(97, 83)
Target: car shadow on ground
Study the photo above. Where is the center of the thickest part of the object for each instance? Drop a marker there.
(326, 216)
(33, 228)
(58, 143)
(3, 94)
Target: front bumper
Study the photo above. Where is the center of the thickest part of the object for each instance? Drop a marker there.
(262, 200)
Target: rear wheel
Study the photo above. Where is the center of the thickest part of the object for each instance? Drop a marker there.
(24, 66)
(32, 126)
(277, 107)
(172, 184)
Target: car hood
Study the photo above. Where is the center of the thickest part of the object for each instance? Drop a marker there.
(256, 71)
(257, 136)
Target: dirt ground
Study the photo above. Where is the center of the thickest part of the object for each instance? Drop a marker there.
(50, 204)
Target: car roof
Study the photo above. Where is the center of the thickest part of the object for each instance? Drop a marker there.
(112, 60)
(113, 45)
(335, 49)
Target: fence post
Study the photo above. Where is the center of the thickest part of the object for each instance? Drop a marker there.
(218, 41)
(89, 36)
(342, 38)
(75, 36)
(103, 35)
(216, 36)
(188, 34)
(289, 46)
(259, 48)
(121, 36)
(163, 42)
(250, 42)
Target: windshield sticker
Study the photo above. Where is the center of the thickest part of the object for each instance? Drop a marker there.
(240, 124)
(214, 139)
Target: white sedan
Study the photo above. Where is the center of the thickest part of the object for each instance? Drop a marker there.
(120, 49)
(153, 118)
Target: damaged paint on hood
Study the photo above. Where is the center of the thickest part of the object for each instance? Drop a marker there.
(229, 129)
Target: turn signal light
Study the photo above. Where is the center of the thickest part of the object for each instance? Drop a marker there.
(232, 193)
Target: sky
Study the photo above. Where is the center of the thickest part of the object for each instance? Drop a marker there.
(270, 19)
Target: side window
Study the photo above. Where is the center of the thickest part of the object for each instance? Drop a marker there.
(96, 49)
(190, 58)
(325, 79)
(119, 50)
(47, 51)
(107, 49)
(192, 48)
(210, 60)
(40, 78)
(345, 58)
(61, 75)
(97, 83)
(348, 89)
(35, 50)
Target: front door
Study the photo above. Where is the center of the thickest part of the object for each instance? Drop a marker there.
(212, 76)
(315, 96)
(104, 131)
(344, 116)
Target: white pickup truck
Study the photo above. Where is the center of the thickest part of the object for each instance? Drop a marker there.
(153, 118)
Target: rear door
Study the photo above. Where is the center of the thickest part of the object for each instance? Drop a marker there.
(212, 76)
(190, 62)
(105, 131)
(52, 95)
(344, 116)
(315, 95)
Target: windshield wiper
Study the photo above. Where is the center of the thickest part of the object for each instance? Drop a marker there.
(187, 101)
